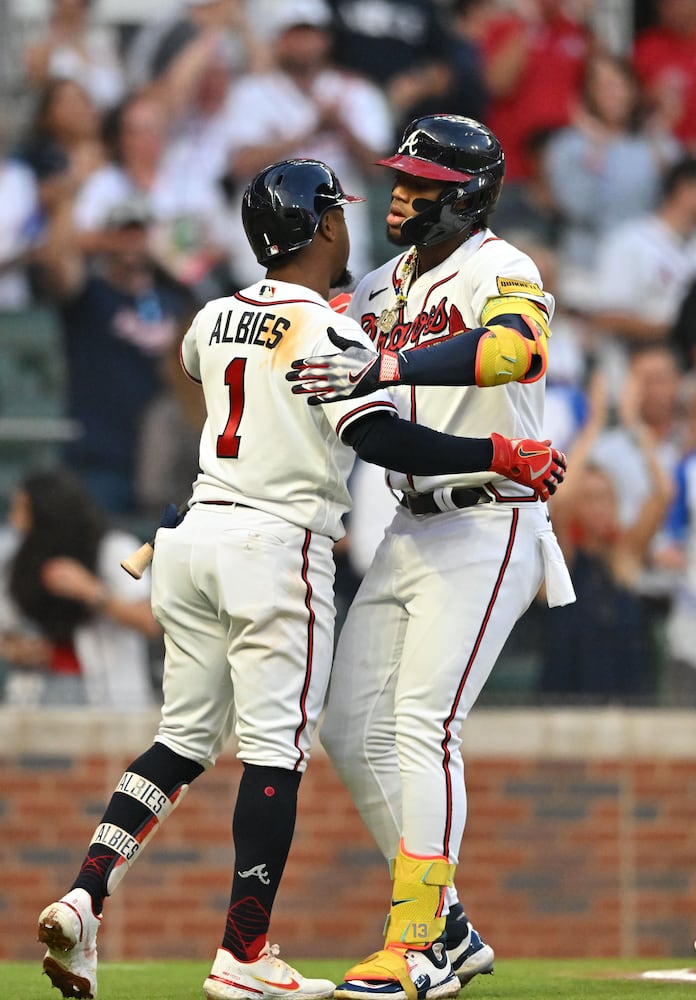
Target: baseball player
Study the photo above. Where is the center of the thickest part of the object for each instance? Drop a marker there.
(243, 586)
(465, 554)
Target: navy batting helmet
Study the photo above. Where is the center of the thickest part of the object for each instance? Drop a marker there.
(283, 204)
(463, 154)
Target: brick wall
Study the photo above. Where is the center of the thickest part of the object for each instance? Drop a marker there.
(581, 840)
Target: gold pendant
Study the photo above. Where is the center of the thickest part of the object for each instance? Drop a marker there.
(387, 319)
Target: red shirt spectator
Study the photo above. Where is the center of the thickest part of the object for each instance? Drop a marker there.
(534, 68)
(665, 60)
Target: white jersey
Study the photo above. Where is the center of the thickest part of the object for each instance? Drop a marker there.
(262, 445)
(456, 296)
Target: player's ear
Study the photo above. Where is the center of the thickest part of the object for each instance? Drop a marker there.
(329, 224)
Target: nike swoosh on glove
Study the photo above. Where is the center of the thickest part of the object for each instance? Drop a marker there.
(533, 463)
(356, 371)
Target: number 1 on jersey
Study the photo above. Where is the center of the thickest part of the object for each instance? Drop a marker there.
(228, 441)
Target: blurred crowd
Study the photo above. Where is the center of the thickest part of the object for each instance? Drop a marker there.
(120, 201)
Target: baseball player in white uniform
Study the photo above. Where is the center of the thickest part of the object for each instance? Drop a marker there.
(243, 586)
(465, 554)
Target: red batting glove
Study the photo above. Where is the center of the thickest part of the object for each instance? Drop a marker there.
(533, 463)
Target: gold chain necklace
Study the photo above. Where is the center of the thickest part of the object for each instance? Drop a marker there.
(388, 317)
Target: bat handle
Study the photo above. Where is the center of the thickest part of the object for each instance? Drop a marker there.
(137, 563)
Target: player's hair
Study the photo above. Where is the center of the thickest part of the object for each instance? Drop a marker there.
(64, 522)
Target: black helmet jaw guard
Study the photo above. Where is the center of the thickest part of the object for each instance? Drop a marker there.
(456, 212)
(462, 154)
(283, 204)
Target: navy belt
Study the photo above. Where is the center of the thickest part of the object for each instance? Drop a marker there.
(223, 503)
(449, 498)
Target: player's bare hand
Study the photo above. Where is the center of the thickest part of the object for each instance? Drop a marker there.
(533, 463)
(327, 378)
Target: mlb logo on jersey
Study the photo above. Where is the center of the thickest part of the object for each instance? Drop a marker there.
(267, 291)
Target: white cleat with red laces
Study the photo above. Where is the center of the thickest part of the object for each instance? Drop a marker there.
(266, 978)
(69, 929)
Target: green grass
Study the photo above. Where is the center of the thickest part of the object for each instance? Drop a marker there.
(515, 979)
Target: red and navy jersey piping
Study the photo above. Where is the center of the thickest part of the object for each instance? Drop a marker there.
(467, 670)
(376, 404)
(311, 618)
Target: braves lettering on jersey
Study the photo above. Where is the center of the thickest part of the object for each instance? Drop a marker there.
(481, 275)
(240, 348)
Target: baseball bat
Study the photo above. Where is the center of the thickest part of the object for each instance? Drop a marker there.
(138, 561)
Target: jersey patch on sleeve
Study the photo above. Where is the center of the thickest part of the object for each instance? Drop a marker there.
(517, 286)
(516, 305)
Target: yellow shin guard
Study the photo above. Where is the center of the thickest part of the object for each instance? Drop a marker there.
(415, 918)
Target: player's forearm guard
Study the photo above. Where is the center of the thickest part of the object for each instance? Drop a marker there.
(503, 355)
(514, 349)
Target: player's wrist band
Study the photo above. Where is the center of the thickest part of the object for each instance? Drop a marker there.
(389, 369)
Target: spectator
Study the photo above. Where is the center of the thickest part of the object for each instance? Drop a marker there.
(167, 455)
(157, 45)
(679, 682)
(195, 91)
(643, 272)
(186, 208)
(74, 48)
(308, 107)
(401, 46)
(654, 379)
(652, 396)
(63, 146)
(467, 93)
(682, 335)
(599, 648)
(605, 167)
(665, 58)
(20, 228)
(120, 315)
(535, 56)
(527, 210)
(74, 625)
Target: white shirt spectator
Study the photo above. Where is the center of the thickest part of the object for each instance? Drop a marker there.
(188, 210)
(644, 266)
(19, 225)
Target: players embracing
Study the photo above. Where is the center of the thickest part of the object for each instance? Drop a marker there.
(243, 588)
